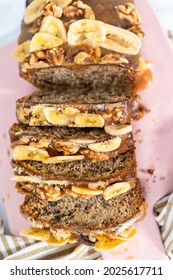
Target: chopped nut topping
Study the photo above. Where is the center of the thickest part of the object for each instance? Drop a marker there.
(52, 9)
(72, 11)
(137, 29)
(49, 193)
(88, 12)
(128, 12)
(35, 25)
(79, 9)
(113, 59)
(80, 57)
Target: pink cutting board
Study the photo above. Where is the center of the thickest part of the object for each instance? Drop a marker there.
(154, 149)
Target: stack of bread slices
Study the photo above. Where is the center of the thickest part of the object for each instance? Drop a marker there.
(73, 147)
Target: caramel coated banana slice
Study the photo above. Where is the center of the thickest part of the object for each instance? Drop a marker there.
(89, 120)
(34, 11)
(86, 31)
(54, 242)
(23, 152)
(115, 190)
(105, 243)
(60, 159)
(86, 191)
(56, 118)
(42, 41)
(106, 146)
(22, 51)
(36, 234)
(121, 40)
(117, 130)
(53, 26)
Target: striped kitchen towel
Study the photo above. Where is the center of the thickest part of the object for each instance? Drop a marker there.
(19, 248)
(163, 211)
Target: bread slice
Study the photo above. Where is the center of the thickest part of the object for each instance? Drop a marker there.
(102, 240)
(83, 214)
(28, 142)
(80, 171)
(77, 108)
(96, 59)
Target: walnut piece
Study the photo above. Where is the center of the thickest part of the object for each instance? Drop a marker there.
(79, 9)
(80, 57)
(52, 9)
(113, 59)
(137, 29)
(129, 13)
(49, 193)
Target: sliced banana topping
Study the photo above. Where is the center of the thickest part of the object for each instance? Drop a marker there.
(42, 41)
(60, 159)
(37, 180)
(89, 120)
(22, 51)
(85, 31)
(63, 3)
(86, 191)
(56, 118)
(23, 152)
(106, 146)
(115, 190)
(82, 141)
(56, 242)
(105, 243)
(36, 234)
(121, 40)
(117, 130)
(34, 11)
(53, 26)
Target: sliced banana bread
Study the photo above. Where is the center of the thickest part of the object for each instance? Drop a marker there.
(77, 108)
(81, 170)
(80, 43)
(53, 144)
(82, 214)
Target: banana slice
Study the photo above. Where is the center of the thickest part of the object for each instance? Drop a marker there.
(82, 141)
(105, 243)
(117, 130)
(130, 232)
(55, 242)
(53, 26)
(106, 146)
(121, 40)
(86, 191)
(34, 11)
(63, 3)
(60, 159)
(116, 189)
(42, 41)
(22, 51)
(56, 118)
(22, 152)
(85, 31)
(36, 234)
(89, 120)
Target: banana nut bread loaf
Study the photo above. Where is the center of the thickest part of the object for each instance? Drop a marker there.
(80, 43)
(77, 108)
(53, 144)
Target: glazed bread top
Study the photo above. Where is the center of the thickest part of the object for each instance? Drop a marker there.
(75, 34)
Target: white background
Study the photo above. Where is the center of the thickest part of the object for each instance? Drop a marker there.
(11, 12)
